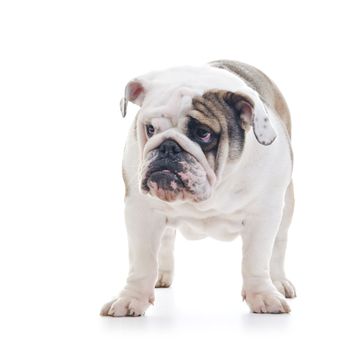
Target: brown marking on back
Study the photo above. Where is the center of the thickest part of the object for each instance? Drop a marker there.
(261, 83)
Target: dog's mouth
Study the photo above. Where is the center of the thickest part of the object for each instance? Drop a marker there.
(181, 179)
(166, 185)
(165, 179)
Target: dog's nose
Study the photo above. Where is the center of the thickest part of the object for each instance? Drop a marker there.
(169, 148)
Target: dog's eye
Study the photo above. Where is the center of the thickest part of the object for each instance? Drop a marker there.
(203, 134)
(149, 130)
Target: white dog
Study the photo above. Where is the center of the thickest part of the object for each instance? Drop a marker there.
(208, 154)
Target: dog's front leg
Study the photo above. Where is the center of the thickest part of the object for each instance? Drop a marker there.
(145, 228)
(258, 239)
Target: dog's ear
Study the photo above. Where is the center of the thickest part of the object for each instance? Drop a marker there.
(252, 113)
(134, 92)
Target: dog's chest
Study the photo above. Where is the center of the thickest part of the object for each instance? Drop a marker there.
(221, 228)
(201, 224)
(223, 217)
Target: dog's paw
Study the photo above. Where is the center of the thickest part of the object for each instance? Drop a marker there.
(267, 303)
(285, 287)
(165, 278)
(126, 306)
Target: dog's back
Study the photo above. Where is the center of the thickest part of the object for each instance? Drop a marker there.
(260, 82)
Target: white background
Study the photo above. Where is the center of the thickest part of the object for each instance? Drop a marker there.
(63, 251)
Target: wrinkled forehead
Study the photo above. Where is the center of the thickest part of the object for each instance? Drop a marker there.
(170, 93)
(167, 104)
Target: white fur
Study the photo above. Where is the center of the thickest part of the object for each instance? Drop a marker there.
(247, 198)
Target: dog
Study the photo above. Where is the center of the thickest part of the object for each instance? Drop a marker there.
(208, 154)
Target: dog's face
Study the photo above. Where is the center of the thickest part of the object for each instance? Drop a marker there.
(187, 137)
(183, 160)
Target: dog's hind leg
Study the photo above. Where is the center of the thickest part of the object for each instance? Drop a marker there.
(277, 272)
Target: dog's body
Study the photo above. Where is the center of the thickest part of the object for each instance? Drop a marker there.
(209, 154)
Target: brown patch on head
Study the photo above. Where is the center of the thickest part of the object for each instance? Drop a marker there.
(214, 109)
(204, 115)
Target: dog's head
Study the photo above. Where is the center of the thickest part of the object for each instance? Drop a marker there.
(188, 129)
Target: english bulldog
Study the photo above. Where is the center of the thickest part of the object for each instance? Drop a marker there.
(209, 155)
